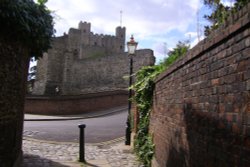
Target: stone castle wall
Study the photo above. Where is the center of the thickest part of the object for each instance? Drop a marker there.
(105, 73)
(201, 107)
(82, 62)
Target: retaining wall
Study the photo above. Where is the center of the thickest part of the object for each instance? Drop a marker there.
(77, 104)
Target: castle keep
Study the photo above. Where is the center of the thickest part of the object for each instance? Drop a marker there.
(83, 62)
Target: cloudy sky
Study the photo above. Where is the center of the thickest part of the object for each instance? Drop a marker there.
(155, 24)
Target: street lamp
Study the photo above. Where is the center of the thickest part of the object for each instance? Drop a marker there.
(131, 52)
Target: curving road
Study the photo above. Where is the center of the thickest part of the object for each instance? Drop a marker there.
(97, 129)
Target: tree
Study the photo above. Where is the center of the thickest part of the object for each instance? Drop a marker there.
(26, 30)
(220, 12)
(180, 50)
(28, 23)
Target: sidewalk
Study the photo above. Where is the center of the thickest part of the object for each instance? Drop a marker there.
(33, 117)
(38, 153)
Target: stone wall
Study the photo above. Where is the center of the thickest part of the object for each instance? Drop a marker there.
(68, 105)
(201, 108)
(82, 62)
(104, 73)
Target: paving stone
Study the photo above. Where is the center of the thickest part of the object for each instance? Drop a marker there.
(57, 154)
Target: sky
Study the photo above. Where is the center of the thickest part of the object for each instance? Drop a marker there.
(155, 24)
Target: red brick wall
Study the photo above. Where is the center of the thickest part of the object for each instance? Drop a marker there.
(63, 105)
(201, 112)
(13, 74)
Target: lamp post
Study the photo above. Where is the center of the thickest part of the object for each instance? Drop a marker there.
(131, 52)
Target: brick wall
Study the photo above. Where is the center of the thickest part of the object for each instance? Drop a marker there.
(13, 75)
(201, 112)
(63, 105)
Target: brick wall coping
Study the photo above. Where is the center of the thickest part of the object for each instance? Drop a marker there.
(234, 24)
(81, 96)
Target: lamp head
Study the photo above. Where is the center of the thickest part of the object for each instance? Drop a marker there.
(132, 46)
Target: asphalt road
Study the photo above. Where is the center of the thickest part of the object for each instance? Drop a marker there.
(97, 129)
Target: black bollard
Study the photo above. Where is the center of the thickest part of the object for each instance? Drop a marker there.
(82, 143)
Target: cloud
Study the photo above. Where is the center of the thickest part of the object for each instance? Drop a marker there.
(228, 2)
(151, 21)
(146, 16)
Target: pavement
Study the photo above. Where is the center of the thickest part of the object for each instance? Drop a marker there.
(43, 153)
(38, 153)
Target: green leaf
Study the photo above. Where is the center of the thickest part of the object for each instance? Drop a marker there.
(42, 2)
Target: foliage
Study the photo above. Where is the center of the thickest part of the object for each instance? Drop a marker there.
(144, 88)
(220, 13)
(27, 23)
(97, 54)
(180, 50)
(143, 97)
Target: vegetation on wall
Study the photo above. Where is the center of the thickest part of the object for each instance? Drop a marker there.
(27, 23)
(220, 12)
(97, 54)
(144, 85)
(143, 98)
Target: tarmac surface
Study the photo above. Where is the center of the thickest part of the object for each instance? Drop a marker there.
(42, 153)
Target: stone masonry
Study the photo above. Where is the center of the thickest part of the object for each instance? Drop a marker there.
(83, 62)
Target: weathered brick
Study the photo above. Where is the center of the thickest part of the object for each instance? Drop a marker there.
(235, 27)
(248, 84)
(235, 128)
(13, 73)
(215, 81)
(221, 108)
(239, 87)
(240, 77)
(247, 42)
(247, 74)
(229, 117)
(213, 91)
(230, 78)
(238, 37)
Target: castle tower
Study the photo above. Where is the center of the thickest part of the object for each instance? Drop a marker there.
(120, 34)
(84, 27)
(83, 62)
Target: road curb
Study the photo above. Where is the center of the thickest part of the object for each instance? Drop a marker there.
(76, 118)
(109, 142)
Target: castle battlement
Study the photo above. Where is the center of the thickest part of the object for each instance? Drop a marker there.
(79, 39)
(82, 61)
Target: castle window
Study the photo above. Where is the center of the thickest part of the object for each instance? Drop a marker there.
(84, 31)
(95, 43)
(121, 36)
(75, 52)
(121, 47)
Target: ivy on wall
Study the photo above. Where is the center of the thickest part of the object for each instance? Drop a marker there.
(144, 89)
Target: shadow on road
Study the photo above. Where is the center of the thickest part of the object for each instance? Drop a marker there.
(91, 165)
